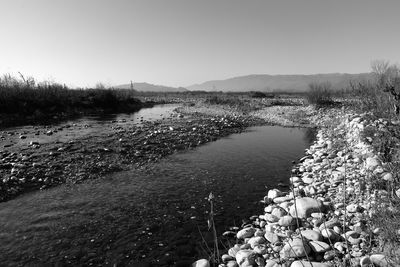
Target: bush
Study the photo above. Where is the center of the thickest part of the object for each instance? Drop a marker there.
(26, 97)
(380, 95)
(258, 94)
(319, 94)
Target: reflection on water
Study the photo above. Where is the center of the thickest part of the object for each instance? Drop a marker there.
(156, 214)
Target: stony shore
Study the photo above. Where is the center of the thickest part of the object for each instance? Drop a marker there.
(325, 218)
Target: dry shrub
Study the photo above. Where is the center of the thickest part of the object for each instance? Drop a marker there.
(320, 94)
(381, 95)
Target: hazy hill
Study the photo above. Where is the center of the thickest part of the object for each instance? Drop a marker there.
(268, 83)
(147, 87)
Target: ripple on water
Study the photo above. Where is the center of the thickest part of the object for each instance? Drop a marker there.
(156, 214)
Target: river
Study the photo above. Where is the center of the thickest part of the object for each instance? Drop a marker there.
(156, 215)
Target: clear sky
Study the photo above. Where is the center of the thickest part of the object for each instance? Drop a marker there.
(182, 42)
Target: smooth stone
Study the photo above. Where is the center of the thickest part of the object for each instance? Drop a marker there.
(310, 264)
(257, 240)
(379, 260)
(201, 263)
(295, 248)
(311, 235)
(331, 223)
(246, 258)
(287, 221)
(245, 233)
(271, 237)
(319, 246)
(279, 212)
(352, 208)
(371, 163)
(279, 200)
(305, 206)
(232, 251)
(274, 193)
(387, 176)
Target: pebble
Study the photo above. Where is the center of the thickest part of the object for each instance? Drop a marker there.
(303, 207)
(201, 263)
(246, 258)
(379, 260)
(295, 248)
(311, 235)
(245, 233)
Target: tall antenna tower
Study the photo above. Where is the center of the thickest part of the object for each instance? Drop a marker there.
(132, 85)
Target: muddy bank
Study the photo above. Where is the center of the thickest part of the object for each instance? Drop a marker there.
(26, 164)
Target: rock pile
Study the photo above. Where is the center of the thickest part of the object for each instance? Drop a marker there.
(323, 220)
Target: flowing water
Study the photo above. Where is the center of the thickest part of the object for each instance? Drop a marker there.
(90, 125)
(156, 215)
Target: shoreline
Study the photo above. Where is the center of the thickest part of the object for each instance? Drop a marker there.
(325, 219)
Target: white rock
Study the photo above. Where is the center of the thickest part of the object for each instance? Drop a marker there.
(246, 258)
(305, 206)
(287, 221)
(352, 208)
(279, 212)
(311, 235)
(388, 177)
(245, 233)
(232, 264)
(379, 260)
(201, 263)
(295, 248)
(371, 163)
(271, 237)
(274, 193)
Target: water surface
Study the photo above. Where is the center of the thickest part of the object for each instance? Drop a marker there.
(157, 215)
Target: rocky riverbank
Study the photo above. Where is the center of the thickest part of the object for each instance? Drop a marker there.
(326, 219)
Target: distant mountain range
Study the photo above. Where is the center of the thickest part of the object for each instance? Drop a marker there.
(147, 87)
(269, 83)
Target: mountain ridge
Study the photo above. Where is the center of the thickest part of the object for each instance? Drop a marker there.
(280, 82)
(148, 87)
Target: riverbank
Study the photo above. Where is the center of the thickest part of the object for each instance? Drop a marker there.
(343, 207)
